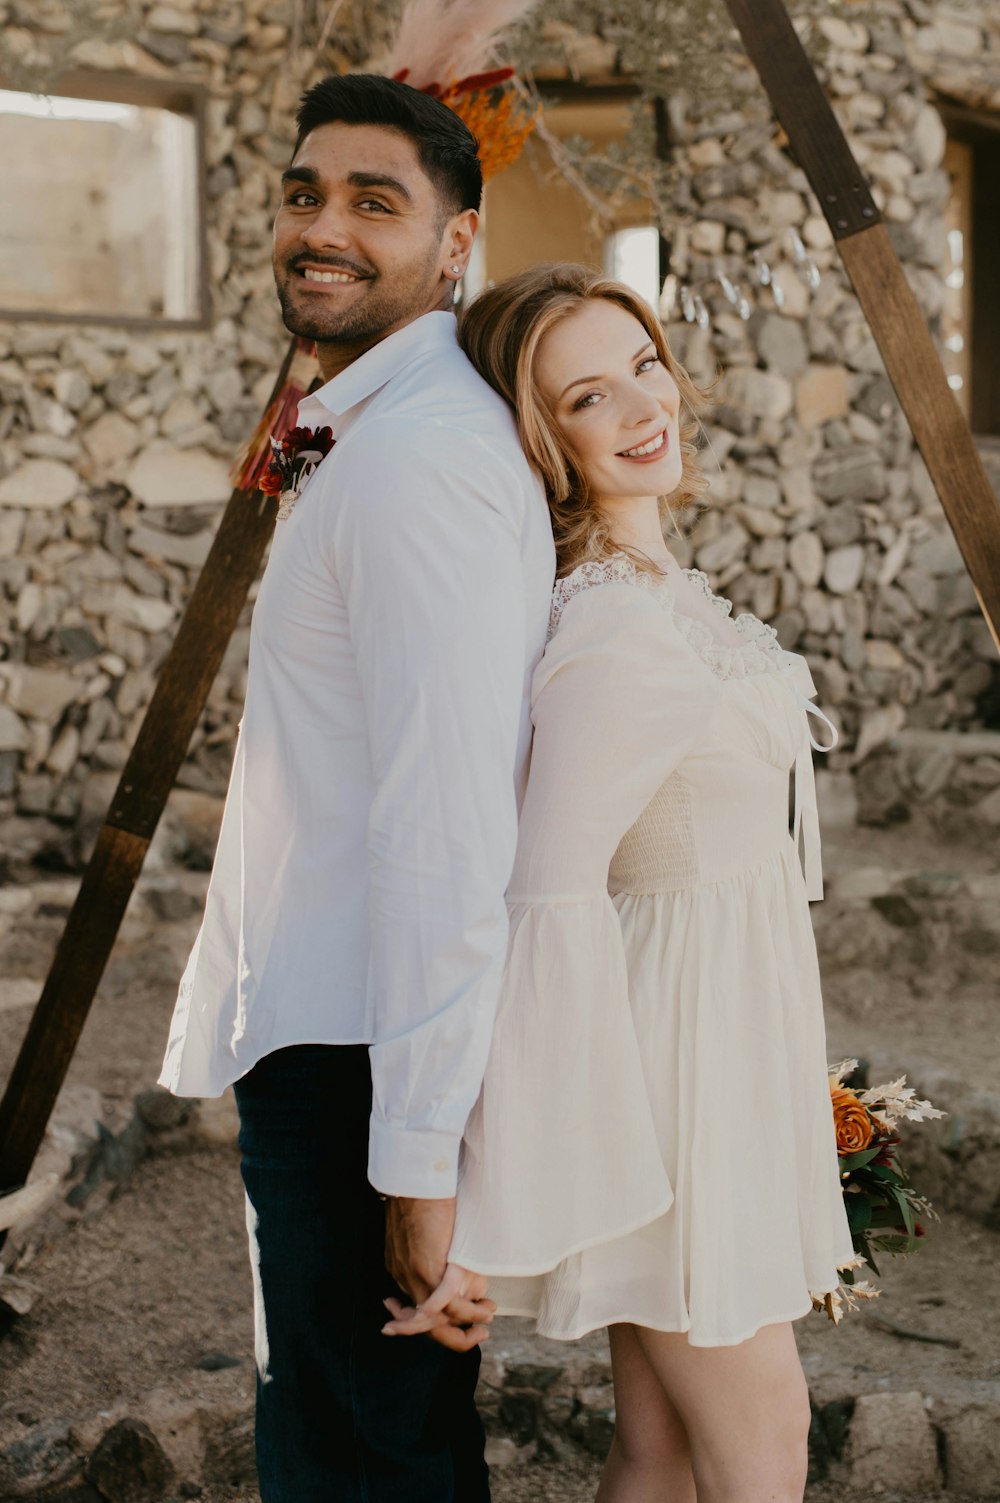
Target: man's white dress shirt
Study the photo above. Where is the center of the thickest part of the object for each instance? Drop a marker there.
(357, 895)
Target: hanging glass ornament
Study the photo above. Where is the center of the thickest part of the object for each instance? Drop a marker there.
(694, 309)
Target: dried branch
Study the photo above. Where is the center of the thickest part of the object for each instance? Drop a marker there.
(891, 1329)
(333, 12)
(562, 159)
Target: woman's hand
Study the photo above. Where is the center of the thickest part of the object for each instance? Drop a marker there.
(459, 1303)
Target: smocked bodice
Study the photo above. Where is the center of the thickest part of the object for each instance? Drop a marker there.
(658, 853)
(724, 807)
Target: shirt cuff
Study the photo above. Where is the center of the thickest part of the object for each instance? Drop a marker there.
(404, 1161)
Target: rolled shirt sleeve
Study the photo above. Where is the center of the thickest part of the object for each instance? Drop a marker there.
(427, 550)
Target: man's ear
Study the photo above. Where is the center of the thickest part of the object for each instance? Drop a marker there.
(458, 239)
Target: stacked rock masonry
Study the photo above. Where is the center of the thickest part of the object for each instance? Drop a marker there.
(115, 442)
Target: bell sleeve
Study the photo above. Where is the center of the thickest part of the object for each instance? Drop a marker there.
(560, 1151)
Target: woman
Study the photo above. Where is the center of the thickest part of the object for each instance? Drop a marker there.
(653, 1149)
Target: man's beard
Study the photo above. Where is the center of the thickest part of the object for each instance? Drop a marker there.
(380, 308)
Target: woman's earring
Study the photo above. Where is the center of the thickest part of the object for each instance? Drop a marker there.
(456, 270)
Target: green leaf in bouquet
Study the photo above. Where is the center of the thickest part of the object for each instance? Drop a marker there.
(859, 1213)
(868, 1182)
(904, 1206)
(885, 1217)
(897, 1244)
(899, 1234)
(852, 1161)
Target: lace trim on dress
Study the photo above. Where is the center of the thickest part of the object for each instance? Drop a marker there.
(758, 652)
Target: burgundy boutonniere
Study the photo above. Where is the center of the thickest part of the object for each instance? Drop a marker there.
(294, 459)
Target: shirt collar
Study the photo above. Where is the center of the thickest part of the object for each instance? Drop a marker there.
(377, 366)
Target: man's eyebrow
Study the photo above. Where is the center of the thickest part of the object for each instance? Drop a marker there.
(583, 381)
(309, 175)
(379, 180)
(295, 174)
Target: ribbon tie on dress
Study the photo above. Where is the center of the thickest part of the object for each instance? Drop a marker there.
(805, 822)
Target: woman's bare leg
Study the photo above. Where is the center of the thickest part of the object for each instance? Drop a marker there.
(745, 1410)
(650, 1459)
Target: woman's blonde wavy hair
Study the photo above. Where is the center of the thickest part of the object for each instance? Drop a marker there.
(501, 331)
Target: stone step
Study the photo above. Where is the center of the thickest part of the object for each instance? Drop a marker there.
(538, 1399)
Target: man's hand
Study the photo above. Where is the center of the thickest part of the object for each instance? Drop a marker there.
(449, 1303)
(459, 1290)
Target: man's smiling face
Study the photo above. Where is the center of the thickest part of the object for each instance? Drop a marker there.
(362, 239)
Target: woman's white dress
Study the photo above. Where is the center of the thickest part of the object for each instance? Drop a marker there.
(654, 1138)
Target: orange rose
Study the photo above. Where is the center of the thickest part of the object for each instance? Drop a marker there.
(851, 1119)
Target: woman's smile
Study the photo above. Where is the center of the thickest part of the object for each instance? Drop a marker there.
(651, 450)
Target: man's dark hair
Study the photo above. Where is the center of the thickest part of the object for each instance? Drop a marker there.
(445, 144)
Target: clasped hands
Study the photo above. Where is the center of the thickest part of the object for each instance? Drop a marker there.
(449, 1302)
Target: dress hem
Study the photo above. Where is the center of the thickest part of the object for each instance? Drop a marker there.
(537, 1270)
(584, 1330)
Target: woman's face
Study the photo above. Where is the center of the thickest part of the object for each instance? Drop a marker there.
(614, 401)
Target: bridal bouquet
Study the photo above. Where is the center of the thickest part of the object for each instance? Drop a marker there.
(882, 1206)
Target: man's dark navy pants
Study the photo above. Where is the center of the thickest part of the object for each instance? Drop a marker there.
(344, 1414)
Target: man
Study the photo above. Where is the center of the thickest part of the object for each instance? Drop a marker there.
(346, 971)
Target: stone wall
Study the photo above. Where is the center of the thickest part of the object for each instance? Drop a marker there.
(824, 520)
(114, 444)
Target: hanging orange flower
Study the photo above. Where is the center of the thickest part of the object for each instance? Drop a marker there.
(497, 115)
(498, 118)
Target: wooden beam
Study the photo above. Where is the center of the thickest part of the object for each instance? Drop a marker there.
(219, 596)
(894, 317)
(147, 778)
(935, 418)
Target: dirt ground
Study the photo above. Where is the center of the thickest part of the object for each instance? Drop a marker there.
(137, 1294)
(134, 1298)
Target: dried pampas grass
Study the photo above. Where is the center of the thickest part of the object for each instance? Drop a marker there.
(439, 41)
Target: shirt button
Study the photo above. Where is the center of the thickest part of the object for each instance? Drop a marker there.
(441, 1165)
